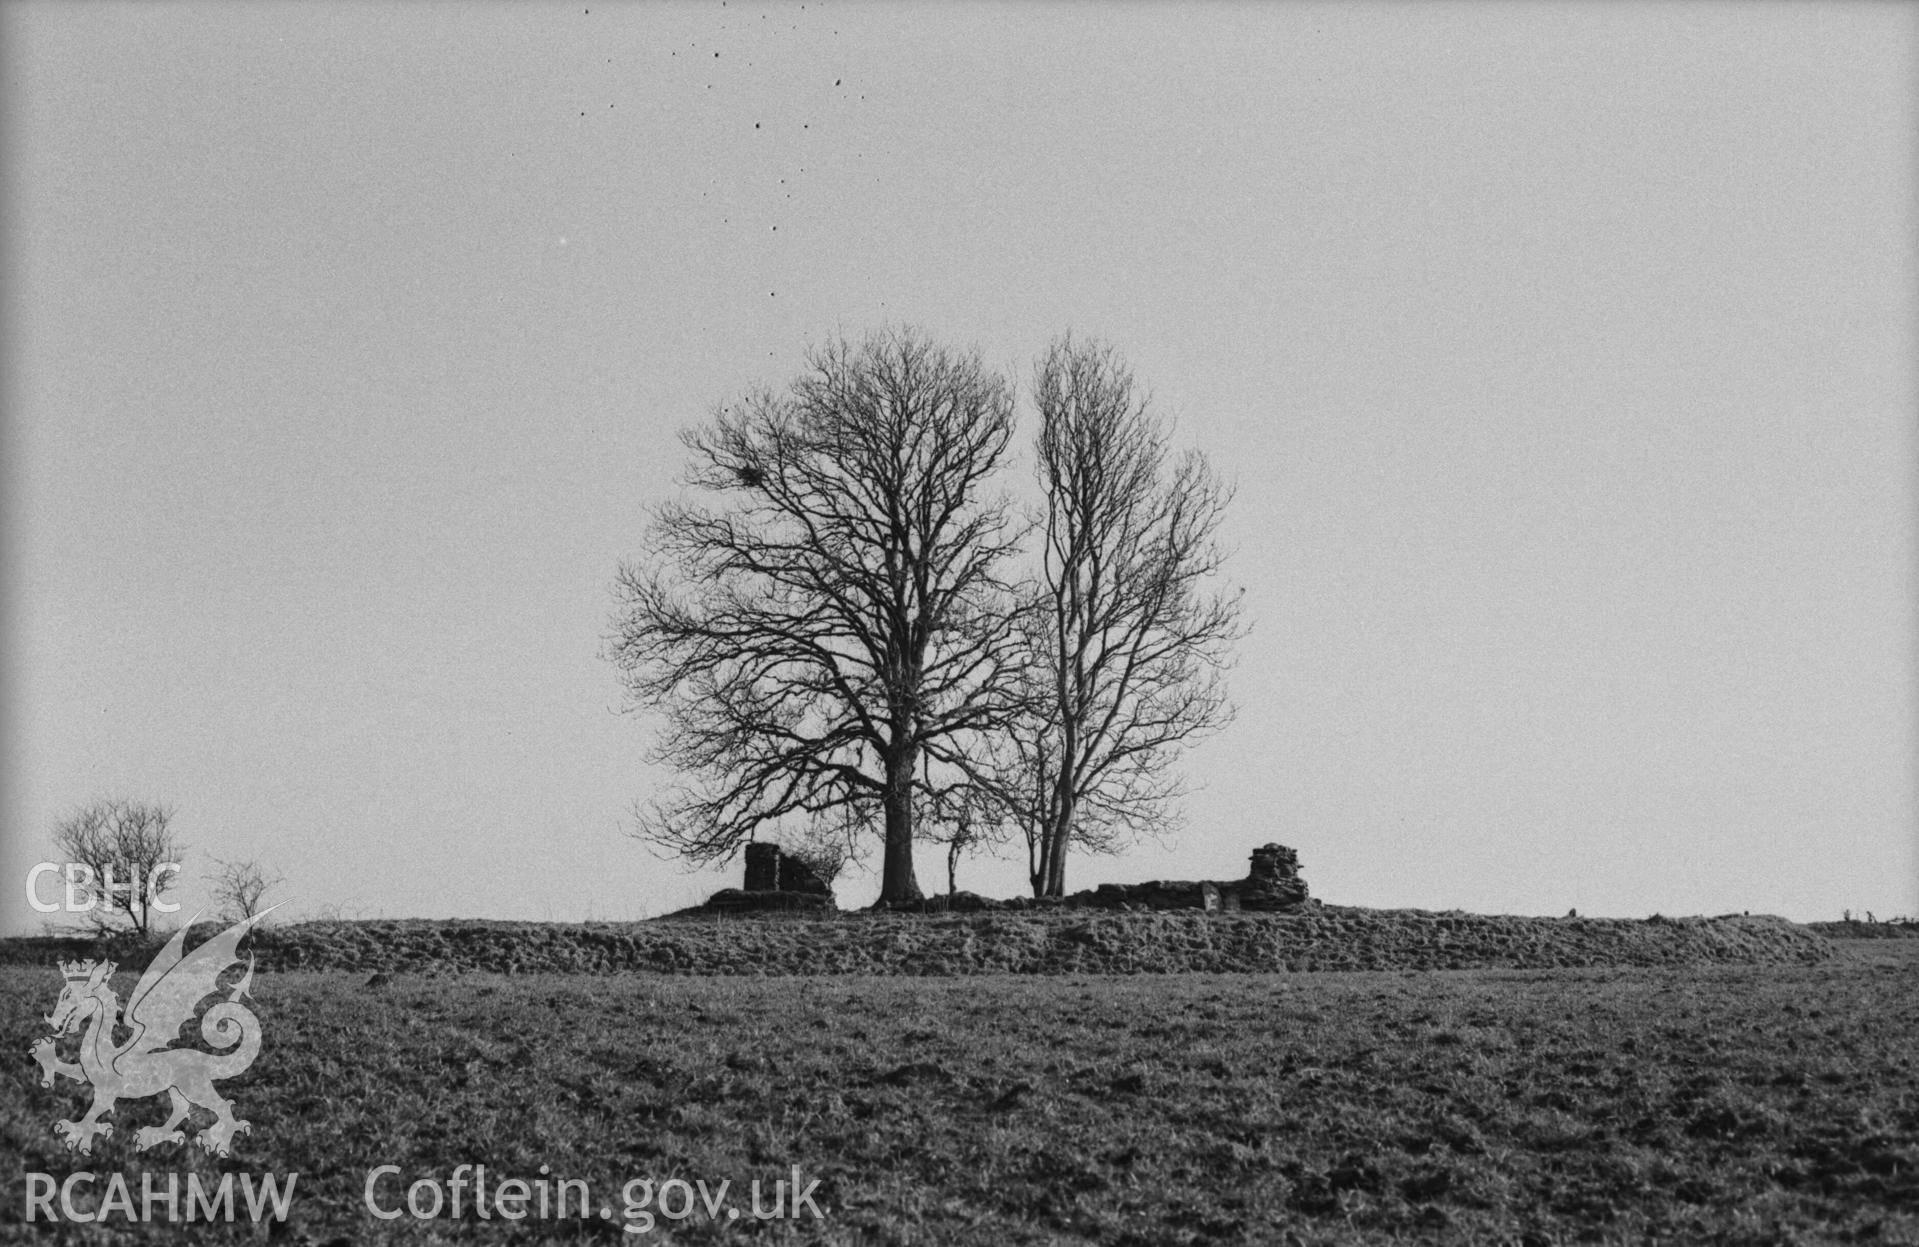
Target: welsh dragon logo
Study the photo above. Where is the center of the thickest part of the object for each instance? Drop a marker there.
(147, 1063)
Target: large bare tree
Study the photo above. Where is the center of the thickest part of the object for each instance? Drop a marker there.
(828, 619)
(1131, 636)
(124, 843)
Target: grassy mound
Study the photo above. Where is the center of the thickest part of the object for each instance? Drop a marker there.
(1029, 943)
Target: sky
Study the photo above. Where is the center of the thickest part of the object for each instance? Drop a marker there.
(1562, 356)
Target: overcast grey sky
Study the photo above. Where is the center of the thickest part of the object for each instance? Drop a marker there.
(1563, 355)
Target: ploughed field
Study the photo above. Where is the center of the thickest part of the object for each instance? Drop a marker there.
(1707, 1103)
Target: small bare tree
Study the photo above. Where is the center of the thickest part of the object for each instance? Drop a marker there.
(240, 886)
(831, 618)
(1130, 641)
(823, 848)
(966, 814)
(970, 829)
(123, 843)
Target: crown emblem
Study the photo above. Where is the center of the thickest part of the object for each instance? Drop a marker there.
(76, 971)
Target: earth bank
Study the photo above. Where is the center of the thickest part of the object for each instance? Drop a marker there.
(1077, 942)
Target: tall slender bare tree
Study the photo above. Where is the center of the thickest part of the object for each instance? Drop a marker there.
(830, 619)
(1131, 638)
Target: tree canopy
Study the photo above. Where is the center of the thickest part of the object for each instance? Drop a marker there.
(828, 619)
(835, 625)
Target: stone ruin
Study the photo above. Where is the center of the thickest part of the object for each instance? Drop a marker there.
(774, 880)
(770, 868)
(1272, 885)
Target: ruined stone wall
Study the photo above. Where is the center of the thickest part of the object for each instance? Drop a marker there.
(1272, 885)
(762, 867)
(774, 880)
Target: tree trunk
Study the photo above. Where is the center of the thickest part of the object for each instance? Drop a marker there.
(1059, 828)
(1041, 870)
(898, 884)
(1056, 866)
(1058, 835)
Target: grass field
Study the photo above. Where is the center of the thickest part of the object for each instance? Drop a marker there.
(1712, 1105)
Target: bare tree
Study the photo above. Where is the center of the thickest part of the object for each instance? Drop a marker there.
(822, 848)
(1131, 644)
(124, 843)
(966, 813)
(831, 620)
(239, 887)
(972, 828)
